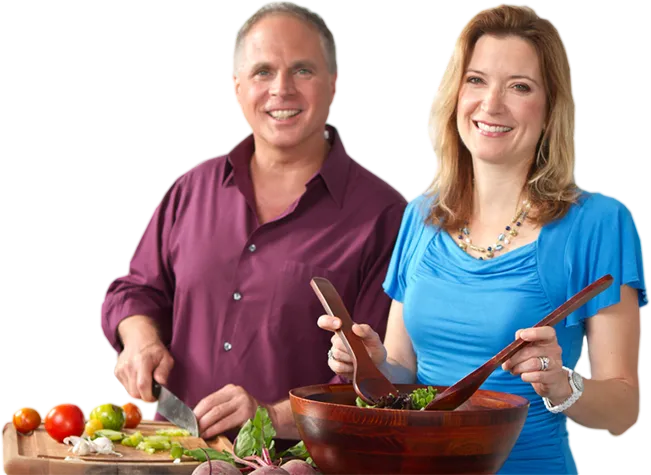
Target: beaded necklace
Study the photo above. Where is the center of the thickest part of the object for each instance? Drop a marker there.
(502, 240)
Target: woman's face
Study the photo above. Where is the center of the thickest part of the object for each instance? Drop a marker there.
(502, 104)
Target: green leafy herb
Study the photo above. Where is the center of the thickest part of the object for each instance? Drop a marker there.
(255, 435)
(421, 397)
(253, 438)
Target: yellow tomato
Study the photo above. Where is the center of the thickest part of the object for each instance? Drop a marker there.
(92, 426)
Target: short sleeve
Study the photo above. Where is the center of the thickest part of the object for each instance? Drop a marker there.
(604, 240)
(411, 229)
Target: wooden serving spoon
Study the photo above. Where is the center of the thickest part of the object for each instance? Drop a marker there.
(369, 383)
(460, 391)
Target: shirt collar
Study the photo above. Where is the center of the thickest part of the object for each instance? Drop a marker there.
(333, 172)
(335, 168)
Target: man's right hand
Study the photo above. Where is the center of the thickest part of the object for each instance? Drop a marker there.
(144, 355)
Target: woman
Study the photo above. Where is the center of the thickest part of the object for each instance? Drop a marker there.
(503, 237)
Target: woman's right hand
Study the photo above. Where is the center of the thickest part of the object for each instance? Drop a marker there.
(341, 360)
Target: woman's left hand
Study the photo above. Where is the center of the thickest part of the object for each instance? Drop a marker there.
(541, 364)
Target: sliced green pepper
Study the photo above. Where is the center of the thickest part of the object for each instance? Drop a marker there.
(154, 442)
(113, 435)
(173, 432)
(133, 440)
(176, 452)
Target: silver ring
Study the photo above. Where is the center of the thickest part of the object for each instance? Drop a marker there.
(330, 355)
(544, 363)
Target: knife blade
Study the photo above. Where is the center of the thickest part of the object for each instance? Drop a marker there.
(175, 410)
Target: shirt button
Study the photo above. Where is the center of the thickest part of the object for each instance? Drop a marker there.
(227, 346)
(237, 296)
(252, 248)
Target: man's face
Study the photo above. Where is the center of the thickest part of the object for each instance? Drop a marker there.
(282, 82)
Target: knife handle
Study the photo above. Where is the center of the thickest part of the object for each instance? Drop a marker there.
(155, 388)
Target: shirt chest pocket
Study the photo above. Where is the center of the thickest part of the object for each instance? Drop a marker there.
(295, 306)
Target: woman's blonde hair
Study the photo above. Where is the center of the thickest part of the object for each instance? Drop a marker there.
(550, 184)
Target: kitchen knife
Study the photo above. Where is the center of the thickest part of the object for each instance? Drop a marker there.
(175, 410)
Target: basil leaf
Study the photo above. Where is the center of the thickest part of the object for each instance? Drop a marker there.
(246, 444)
(255, 435)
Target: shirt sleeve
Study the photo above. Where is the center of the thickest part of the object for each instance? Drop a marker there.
(412, 223)
(148, 289)
(604, 240)
(372, 304)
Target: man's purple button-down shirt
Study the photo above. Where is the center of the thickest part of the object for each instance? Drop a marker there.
(233, 298)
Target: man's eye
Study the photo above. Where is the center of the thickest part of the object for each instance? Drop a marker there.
(522, 87)
(304, 71)
(262, 72)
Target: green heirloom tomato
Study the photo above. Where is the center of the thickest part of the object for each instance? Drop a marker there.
(111, 416)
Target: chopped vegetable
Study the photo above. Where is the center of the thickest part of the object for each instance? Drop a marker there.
(113, 435)
(176, 432)
(176, 452)
(154, 443)
(133, 440)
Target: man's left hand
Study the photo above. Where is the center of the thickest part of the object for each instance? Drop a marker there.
(228, 408)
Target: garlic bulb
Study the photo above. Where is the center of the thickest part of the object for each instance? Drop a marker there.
(79, 446)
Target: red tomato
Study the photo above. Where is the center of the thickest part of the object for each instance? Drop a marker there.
(63, 421)
(134, 416)
(26, 420)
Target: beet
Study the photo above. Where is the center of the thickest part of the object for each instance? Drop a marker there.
(269, 470)
(298, 467)
(219, 467)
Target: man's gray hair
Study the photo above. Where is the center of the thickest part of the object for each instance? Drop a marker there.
(303, 14)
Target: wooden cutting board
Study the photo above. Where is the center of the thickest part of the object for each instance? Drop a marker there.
(38, 453)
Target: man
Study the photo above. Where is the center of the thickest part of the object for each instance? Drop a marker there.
(217, 305)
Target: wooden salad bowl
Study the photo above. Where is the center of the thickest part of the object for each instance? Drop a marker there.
(477, 437)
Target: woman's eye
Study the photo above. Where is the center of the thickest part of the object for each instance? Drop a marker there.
(522, 87)
(474, 80)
